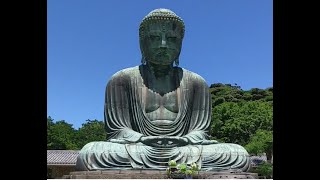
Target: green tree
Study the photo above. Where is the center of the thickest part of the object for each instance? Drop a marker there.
(236, 122)
(265, 169)
(61, 135)
(225, 93)
(92, 130)
(234, 93)
(261, 142)
(50, 123)
(259, 94)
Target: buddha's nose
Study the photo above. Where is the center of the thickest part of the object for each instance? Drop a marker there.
(163, 43)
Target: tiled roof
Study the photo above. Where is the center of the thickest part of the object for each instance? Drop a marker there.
(62, 157)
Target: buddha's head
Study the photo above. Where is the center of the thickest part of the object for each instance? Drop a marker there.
(160, 35)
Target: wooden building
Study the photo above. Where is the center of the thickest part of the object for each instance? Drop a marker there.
(60, 162)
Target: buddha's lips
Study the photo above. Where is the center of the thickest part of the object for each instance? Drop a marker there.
(162, 53)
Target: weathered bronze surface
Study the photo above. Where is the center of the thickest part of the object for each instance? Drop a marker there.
(157, 112)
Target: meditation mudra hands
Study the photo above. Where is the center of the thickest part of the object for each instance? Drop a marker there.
(166, 141)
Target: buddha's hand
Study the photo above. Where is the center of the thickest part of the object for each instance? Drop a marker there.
(207, 142)
(164, 141)
(176, 140)
(151, 140)
(120, 141)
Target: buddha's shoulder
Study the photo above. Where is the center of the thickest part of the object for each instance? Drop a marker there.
(193, 76)
(127, 73)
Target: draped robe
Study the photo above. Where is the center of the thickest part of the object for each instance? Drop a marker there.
(126, 120)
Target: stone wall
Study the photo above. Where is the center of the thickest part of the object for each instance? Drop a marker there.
(57, 171)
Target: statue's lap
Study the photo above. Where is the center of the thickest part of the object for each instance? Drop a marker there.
(104, 155)
(102, 147)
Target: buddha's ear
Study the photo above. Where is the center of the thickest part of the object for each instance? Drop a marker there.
(143, 60)
(176, 62)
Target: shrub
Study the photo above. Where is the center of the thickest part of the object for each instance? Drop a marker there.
(265, 169)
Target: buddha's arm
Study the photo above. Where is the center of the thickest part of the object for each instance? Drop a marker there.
(117, 113)
(201, 114)
(126, 136)
(199, 137)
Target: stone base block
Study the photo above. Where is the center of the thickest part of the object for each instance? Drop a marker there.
(154, 174)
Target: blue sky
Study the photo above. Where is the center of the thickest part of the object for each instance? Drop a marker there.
(226, 41)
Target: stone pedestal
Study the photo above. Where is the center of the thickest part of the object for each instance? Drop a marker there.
(231, 175)
(117, 174)
(153, 174)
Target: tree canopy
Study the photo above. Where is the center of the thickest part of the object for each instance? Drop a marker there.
(243, 117)
(92, 130)
(237, 122)
(61, 135)
(261, 142)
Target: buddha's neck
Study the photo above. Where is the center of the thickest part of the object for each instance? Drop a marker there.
(160, 71)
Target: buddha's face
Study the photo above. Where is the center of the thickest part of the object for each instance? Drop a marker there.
(162, 42)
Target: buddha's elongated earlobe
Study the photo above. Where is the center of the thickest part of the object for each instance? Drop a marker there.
(143, 60)
(176, 62)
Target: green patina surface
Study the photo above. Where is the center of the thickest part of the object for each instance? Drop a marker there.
(157, 111)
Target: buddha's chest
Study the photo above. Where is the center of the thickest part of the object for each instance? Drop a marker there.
(154, 101)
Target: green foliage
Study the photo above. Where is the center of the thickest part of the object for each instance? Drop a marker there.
(218, 100)
(265, 169)
(261, 94)
(236, 122)
(189, 172)
(61, 135)
(194, 167)
(92, 130)
(50, 123)
(225, 93)
(230, 93)
(243, 117)
(260, 142)
(172, 163)
(184, 170)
